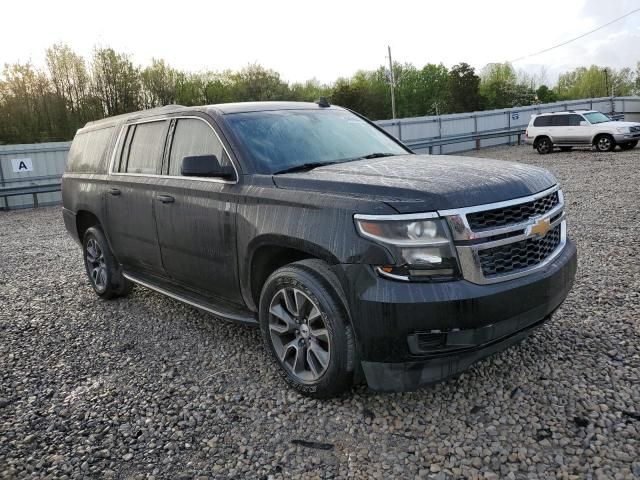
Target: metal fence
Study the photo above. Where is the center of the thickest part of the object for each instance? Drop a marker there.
(446, 133)
(30, 174)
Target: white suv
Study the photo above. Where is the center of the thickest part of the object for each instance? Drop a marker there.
(578, 129)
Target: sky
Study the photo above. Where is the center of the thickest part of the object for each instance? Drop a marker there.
(329, 39)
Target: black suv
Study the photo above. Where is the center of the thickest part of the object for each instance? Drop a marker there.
(353, 255)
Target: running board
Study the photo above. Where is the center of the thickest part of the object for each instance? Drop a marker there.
(227, 314)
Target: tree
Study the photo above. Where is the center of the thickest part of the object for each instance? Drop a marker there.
(463, 89)
(256, 83)
(308, 91)
(158, 84)
(545, 95)
(594, 82)
(421, 92)
(116, 82)
(349, 94)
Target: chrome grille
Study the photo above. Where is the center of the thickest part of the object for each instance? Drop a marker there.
(519, 255)
(500, 217)
(506, 240)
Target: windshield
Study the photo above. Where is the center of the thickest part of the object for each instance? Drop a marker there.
(282, 140)
(596, 117)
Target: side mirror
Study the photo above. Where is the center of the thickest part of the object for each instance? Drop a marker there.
(584, 123)
(205, 166)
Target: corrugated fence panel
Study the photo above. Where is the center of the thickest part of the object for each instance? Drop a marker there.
(46, 159)
(430, 128)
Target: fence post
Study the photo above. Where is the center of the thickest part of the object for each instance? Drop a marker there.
(6, 202)
(399, 130)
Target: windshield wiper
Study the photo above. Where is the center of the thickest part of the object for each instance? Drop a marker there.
(378, 155)
(305, 167)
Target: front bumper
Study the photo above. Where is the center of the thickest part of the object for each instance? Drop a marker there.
(626, 137)
(413, 334)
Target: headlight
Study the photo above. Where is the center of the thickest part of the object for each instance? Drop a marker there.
(623, 129)
(422, 247)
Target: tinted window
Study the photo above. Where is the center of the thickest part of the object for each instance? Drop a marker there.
(89, 151)
(145, 144)
(193, 137)
(280, 140)
(574, 120)
(560, 121)
(543, 121)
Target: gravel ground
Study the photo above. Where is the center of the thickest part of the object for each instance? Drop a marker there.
(146, 387)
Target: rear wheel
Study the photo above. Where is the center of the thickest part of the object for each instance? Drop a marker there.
(306, 330)
(628, 145)
(101, 266)
(565, 149)
(544, 145)
(604, 143)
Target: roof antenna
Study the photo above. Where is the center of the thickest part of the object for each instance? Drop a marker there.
(323, 103)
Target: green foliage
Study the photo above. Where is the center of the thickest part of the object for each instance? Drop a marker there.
(500, 87)
(51, 104)
(596, 81)
(464, 89)
(545, 95)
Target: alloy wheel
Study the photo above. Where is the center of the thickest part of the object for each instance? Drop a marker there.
(544, 146)
(96, 265)
(604, 144)
(299, 334)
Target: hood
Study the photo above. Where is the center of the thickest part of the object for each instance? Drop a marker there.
(419, 183)
(614, 123)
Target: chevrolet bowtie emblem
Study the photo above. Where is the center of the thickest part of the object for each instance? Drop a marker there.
(540, 228)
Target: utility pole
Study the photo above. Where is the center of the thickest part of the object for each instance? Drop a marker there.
(606, 82)
(392, 80)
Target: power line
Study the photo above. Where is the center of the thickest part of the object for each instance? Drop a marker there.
(577, 38)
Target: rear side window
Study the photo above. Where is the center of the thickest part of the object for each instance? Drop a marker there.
(193, 137)
(544, 121)
(560, 121)
(143, 147)
(88, 153)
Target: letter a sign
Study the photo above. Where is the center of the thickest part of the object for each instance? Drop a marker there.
(21, 165)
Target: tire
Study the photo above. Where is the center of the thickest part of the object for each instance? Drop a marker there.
(565, 149)
(544, 145)
(604, 143)
(103, 271)
(306, 329)
(628, 145)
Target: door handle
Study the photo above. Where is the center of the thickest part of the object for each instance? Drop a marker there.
(165, 198)
(114, 191)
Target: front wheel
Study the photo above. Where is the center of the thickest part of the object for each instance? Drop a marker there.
(101, 266)
(605, 143)
(628, 145)
(306, 329)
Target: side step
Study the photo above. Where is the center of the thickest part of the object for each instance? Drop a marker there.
(227, 313)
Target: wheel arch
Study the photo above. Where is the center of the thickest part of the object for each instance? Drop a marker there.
(85, 219)
(539, 137)
(268, 253)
